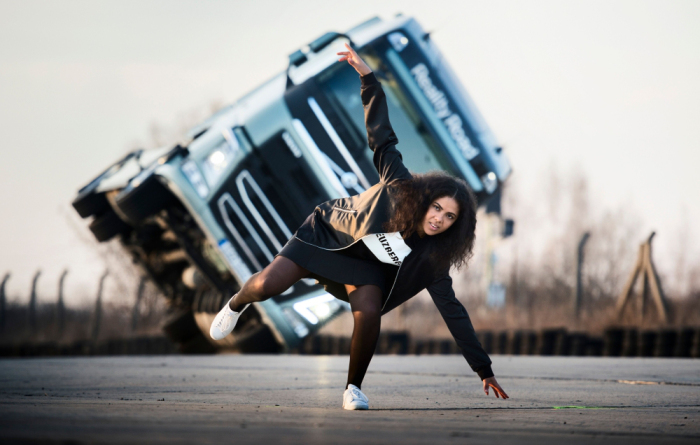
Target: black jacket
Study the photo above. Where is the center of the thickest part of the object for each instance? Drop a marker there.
(339, 223)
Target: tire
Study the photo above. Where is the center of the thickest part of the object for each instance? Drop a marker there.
(144, 200)
(180, 326)
(182, 330)
(197, 345)
(108, 225)
(209, 300)
(259, 340)
(91, 203)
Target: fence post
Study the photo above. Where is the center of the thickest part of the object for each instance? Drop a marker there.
(60, 306)
(651, 284)
(98, 308)
(135, 311)
(2, 301)
(578, 292)
(32, 301)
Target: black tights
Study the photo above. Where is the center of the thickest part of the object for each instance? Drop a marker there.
(365, 302)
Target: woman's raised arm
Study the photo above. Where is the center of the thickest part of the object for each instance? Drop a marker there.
(380, 135)
(354, 60)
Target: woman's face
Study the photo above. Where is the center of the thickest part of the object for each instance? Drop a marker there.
(442, 213)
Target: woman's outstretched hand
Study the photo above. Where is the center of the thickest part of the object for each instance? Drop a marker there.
(497, 390)
(353, 59)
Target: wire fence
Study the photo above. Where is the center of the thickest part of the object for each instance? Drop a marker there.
(136, 316)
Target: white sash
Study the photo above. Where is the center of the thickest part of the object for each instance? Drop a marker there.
(389, 248)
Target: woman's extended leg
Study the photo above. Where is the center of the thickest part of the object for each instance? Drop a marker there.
(366, 305)
(274, 279)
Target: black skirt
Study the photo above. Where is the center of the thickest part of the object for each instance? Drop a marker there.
(333, 269)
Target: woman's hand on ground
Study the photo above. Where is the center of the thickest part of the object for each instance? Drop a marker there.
(497, 390)
(353, 59)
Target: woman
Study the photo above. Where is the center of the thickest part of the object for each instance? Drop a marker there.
(379, 248)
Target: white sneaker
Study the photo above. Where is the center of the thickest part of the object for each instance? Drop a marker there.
(353, 398)
(225, 321)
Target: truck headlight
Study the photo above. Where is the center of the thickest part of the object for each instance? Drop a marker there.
(295, 322)
(490, 182)
(318, 309)
(220, 157)
(398, 41)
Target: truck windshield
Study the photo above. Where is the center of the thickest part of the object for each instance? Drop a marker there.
(420, 151)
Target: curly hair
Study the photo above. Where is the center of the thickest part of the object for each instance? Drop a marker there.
(413, 197)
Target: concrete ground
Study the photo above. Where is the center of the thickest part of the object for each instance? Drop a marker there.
(296, 399)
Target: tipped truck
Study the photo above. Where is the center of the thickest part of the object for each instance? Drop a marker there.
(201, 217)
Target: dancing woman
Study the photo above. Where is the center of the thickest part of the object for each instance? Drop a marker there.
(378, 249)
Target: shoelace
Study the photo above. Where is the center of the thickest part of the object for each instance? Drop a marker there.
(357, 394)
(224, 322)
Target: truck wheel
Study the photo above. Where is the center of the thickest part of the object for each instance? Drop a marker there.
(88, 202)
(91, 203)
(146, 199)
(108, 225)
(257, 340)
(180, 326)
(197, 345)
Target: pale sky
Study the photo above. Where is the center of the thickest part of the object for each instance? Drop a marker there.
(608, 87)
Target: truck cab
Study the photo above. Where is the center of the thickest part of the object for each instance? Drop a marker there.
(202, 217)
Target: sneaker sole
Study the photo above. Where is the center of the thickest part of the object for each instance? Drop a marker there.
(356, 406)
